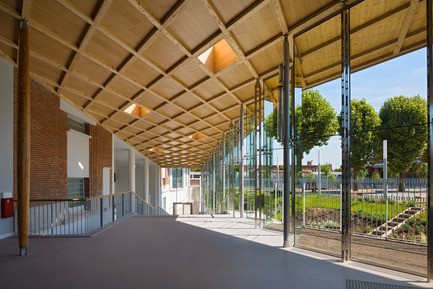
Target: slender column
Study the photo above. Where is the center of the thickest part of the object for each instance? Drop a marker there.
(260, 150)
(345, 138)
(430, 140)
(146, 179)
(23, 149)
(319, 175)
(202, 190)
(256, 148)
(213, 179)
(223, 170)
(131, 163)
(241, 163)
(286, 142)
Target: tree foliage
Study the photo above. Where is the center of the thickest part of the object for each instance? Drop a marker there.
(325, 170)
(364, 121)
(311, 176)
(403, 125)
(316, 120)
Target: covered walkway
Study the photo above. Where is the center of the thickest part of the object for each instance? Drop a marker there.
(183, 252)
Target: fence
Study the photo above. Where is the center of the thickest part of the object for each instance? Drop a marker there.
(83, 216)
(378, 209)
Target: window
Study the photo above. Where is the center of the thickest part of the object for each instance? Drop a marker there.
(76, 190)
(76, 125)
(176, 178)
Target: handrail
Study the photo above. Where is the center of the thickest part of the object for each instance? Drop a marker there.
(158, 206)
(95, 198)
(219, 204)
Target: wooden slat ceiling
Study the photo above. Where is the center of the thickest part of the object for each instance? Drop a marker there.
(103, 56)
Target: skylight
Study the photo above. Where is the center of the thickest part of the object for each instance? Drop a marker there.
(218, 56)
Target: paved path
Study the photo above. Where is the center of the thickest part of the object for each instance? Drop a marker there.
(190, 252)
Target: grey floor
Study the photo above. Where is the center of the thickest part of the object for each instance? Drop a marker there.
(187, 252)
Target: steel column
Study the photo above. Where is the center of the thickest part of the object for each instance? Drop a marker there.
(286, 144)
(257, 93)
(430, 140)
(223, 170)
(213, 179)
(345, 138)
(241, 163)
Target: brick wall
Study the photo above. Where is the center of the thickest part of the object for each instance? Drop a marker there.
(48, 157)
(100, 157)
(48, 147)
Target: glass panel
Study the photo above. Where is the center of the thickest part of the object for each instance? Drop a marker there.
(250, 160)
(271, 154)
(317, 102)
(388, 215)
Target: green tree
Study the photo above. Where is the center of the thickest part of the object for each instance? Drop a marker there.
(316, 120)
(364, 121)
(326, 171)
(423, 171)
(404, 126)
(375, 175)
(270, 124)
(311, 176)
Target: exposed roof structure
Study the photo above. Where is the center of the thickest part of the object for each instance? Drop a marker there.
(168, 76)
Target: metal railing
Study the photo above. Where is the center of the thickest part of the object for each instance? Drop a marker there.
(50, 217)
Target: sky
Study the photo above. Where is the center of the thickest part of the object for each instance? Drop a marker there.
(405, 75)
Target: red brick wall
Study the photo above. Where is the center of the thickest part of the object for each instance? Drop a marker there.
(48, 146)
(100, 157)
(48, 157)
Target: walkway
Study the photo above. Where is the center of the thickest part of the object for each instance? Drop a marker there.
(187, 252)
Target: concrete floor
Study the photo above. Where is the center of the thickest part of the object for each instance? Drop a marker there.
(187, 252)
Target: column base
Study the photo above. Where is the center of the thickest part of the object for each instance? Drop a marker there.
(23, 251)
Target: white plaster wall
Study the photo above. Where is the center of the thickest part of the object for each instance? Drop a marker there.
(122, 178)
(139, 180)
(78, 155)
(6, 138)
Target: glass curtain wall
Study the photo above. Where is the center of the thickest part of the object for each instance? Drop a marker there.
(250, 160)
(271, 153)
(388, 204)
(315, 108)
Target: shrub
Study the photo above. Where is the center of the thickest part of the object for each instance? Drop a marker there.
(411, 204)
(423, 221)
(405, 227)
(410, 221)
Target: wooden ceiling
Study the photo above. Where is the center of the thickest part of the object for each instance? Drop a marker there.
(104, 56)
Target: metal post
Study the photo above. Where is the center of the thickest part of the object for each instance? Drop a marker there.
(430, 141)
(303, 204)
(286, 142)
(223, 170)
(101, 211)
(319, 175)
(257, 206)
(259, 130)
(213, 178)
(345, 139)
(113, 209)
(241, 163)
(232, 166)
(385, 181)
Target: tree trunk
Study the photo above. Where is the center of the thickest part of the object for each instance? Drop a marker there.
(355, 184)
(401, 187)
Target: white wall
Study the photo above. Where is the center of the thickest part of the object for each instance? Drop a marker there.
(6, 138)
(78, 154)
(122, 178)
(139, 180)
